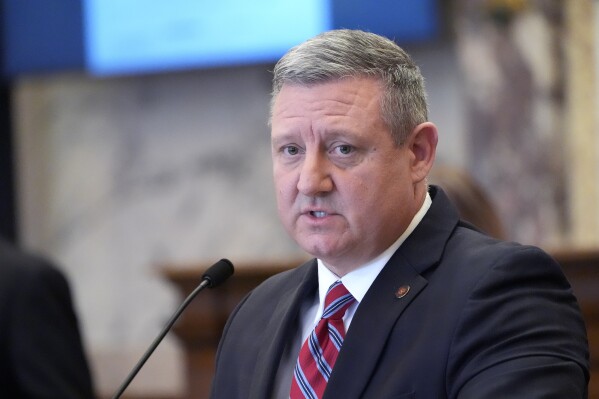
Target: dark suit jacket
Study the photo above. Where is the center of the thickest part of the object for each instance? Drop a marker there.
(41, 354)
(482, 319)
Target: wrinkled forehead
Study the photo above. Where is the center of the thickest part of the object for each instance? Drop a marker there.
(315, 86)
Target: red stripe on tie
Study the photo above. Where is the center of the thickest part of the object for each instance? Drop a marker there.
(318, 354)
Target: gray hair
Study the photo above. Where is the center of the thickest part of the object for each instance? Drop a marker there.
(344, 53)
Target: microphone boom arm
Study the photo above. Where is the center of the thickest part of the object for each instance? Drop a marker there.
(214, 276)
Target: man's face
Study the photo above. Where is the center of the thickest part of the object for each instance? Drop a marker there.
(345, 191)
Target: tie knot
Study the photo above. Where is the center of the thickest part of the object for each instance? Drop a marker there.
(336, 302)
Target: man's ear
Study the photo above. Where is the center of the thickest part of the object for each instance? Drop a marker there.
(423, 147)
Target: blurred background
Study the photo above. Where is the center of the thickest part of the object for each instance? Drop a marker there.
(134, 146)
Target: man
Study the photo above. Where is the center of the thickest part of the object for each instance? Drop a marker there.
(41, 354)
(431, 308)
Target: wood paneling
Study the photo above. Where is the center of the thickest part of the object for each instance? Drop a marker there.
(200, 326)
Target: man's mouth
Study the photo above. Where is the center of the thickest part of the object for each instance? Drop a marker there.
(318, 214)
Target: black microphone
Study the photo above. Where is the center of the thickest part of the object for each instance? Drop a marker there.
(214, 276)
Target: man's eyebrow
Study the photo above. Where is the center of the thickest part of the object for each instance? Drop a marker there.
(337, 133)
(328, 135)
(283, 138)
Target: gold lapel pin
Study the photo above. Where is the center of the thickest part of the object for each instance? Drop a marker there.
(402, 291)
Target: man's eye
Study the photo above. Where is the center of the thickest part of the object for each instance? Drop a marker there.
(291, 150)
(344, 149)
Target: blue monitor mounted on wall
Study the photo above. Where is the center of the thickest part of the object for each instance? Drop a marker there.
(118, 37)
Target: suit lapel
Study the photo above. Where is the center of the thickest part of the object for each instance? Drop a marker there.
(283, 324)
(377, 314)
(384, 302)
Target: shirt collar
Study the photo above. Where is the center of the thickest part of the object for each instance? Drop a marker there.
(359, 281)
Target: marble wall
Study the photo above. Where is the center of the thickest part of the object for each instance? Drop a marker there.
(530, 78)
(121, 176)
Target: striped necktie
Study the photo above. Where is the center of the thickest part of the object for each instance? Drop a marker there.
(319, 353)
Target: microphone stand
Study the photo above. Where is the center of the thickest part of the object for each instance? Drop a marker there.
(205, 283)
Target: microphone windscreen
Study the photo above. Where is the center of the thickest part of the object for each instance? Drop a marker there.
(218, 272)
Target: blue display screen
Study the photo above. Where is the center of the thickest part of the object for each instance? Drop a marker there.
(111, 37)
(191, 33)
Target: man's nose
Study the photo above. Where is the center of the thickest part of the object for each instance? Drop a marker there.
(315, 178)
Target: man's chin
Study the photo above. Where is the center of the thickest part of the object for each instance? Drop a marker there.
(322, 249)
(319, 250)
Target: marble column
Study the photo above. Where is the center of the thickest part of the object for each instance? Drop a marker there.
(522, 99)
(581, 115)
